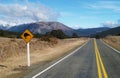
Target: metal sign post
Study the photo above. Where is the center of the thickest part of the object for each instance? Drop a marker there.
(27, 36)
(28, 54)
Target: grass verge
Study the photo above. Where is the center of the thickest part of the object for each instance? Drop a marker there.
(27, 70)
(113, 41)
(42, 54)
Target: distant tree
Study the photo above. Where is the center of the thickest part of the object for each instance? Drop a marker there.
(119, 34)
(97, 36)
(37, 35)
(1, 33)
(48, 34)
(74, 35)
(58, 34)
(4, 33)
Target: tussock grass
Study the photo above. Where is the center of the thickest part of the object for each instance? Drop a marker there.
(114, 41)
(13, 58)
(10, 47)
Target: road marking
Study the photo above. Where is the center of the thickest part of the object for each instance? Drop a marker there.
(38, 74)
(100, 65)
(110, 46)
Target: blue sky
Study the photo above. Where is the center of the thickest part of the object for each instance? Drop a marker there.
(73, 13)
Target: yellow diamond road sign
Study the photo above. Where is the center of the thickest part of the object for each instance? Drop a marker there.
(27, 36)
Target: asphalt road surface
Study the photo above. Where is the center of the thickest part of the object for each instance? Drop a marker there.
(93, 60)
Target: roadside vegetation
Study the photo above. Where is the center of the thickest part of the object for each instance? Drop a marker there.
(13, 58)
(44, 48)
(114, 41)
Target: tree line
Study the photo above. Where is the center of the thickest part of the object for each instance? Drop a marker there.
(58, 34)
(9, 34)
(54, 33)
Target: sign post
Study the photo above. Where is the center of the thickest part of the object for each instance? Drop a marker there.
(28, 54)
(27, 36)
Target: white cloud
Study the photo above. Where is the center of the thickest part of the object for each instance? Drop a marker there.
(76, 27)
(111, 24)
(111, 5)
(30, 12)
(3, 22)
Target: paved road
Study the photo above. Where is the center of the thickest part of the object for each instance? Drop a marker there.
(93, 60)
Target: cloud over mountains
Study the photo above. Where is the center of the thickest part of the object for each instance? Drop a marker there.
(26, 13)
(111, 24)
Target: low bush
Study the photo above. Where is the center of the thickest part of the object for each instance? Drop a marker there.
(52, 40)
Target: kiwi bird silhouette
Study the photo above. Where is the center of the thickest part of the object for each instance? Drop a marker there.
(25, 35)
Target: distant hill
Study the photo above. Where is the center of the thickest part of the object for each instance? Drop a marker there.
(89, 31)
(114, 31)
(43, 27)
(3, 27)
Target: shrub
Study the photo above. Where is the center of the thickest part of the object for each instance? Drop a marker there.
(74, 35)
(44, 38)
(58, 34)
(51, 40)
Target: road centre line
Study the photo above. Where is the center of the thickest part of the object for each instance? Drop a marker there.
(99, 62)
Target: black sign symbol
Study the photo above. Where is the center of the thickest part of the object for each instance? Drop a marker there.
(26, 35)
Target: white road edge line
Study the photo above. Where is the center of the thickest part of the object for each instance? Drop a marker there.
(110, 46)
(59, 61)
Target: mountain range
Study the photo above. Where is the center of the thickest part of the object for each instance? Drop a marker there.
(89, 31)
(3, 27)
(43, 27)
(113, 31)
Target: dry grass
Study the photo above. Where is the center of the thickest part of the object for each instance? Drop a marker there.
(114, 41)
(13, 54)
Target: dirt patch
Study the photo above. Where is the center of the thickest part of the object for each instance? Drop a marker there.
(3, 66)
(20, 68)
